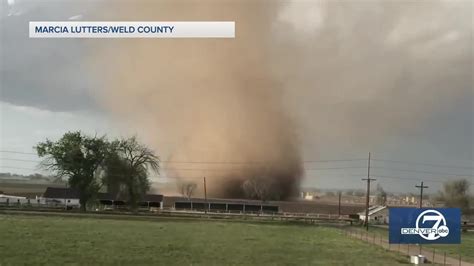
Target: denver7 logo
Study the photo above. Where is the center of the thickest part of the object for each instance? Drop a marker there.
(425, 226)
(437, 230)
(429, 217)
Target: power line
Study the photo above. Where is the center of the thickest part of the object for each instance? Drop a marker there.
(374, 175)
(339, 160)
(22, 168)
(334, 168)
(259, 162)
(20, 160)
(397, 178)
(219, 162)
(203, 169)
(426, 164)
(409, 178)
(18, 152)
(311, 169)
(308, 169)
(305, 161)
(423, 172)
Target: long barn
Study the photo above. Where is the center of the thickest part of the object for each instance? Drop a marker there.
(242, 205)
(70, 197)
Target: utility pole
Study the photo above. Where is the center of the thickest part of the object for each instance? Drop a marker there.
(339, 209)
(421, 187)
(367, 197)
(205, 195)
(65, 196)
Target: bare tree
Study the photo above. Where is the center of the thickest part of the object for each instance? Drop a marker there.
(257, 188)
(381, 195)
(187, 189)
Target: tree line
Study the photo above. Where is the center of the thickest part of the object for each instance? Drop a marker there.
(90, 163)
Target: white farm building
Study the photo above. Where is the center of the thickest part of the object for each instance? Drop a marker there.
(377, 215)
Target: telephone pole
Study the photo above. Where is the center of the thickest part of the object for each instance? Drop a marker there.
(367, 197)
(205, 195)
(421, 187)
(339, 207)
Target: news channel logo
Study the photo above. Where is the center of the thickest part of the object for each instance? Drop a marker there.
(425, 226)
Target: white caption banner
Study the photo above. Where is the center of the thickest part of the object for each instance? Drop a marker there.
(132, 29)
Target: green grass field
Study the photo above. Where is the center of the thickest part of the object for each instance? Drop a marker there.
(465, 249)
(58, 241)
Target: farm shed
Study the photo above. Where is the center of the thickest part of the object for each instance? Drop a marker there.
(377, 215)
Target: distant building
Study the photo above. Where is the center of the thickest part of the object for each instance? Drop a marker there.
(70, 197)
(10, 199)
(377, 215)
(246, 205)
(18, 200)
(221, 205)
(310, 195)
(4, 196)
(62, 196)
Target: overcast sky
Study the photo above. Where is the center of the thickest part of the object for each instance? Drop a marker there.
(47, 87)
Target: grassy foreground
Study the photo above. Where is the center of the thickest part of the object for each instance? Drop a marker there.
(465, 249)
(58, 241)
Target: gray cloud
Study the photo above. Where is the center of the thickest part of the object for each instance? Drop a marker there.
(44, 73)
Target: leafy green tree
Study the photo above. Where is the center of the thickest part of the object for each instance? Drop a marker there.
(127, 169)
(456, 194)
(76, 157)
(114, 174)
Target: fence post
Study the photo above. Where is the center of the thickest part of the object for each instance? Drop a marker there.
(398, 247)
(434, 250)
(373, 239)
(408, 252)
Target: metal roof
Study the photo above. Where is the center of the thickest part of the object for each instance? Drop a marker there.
(374, 209)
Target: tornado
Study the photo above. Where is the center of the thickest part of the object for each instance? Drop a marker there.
(210, 101)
